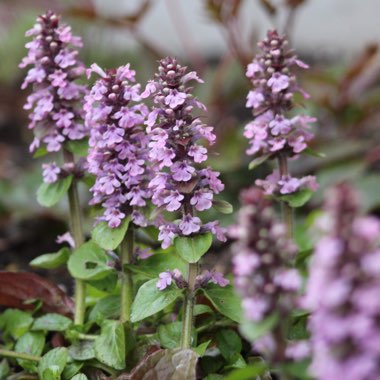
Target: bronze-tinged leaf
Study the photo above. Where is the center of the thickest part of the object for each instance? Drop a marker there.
(175, 364)
(17, 289)
(269, 7)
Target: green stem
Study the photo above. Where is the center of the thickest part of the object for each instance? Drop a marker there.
(18, 355)
(188, 315)
(287, 211)
(126, 252)
(77, 233)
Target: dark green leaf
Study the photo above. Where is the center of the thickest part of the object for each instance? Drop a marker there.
(52, 322)
(224, 300)
(253, 330)
(32, 343)
(110, 345)
(193, 248)
(229, 343)
(223, 206)
(160, 262)
(149, 300)
(56, 357)
(214, 376)
(297, 199)
(105, 308)
(211, 364)
(89, 262)
(51, 260)
(78, 147)
(15, 322)
(48, 194)
(259, 160)
(109, 238)
(82, 350)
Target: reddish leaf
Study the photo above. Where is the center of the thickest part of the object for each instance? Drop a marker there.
(165, 365)
(19, 288)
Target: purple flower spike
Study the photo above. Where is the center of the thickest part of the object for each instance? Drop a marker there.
(343, 291)
(56, 103)
(272, 132)
(263, 275)
(118, 145)
(179, 183)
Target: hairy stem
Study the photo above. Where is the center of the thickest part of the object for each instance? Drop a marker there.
(187, 323)
(18, 355)
(287, 211)
(126, 251)
(77, 233)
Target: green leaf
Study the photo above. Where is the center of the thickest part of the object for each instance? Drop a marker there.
(297, 370)
(259, 160)
(106, 308)
(297, 329)
(56, 357)
(249, 372)
(106, 284)
(314, 153)
(159, 262)
(82, 350)
(202, 309)
(15, 322)
(40, 152)
(109, 238)
(297, 199)
(254, 330)
(51, 260)
(89, 262)
(78, 147)
(149, 300)
(32, 343)
(51, 373)
(4, 369)
(71, 370)
(193, 248)
(225, 300)
(229, 343)
(110, 345)
(201, 349)
(52, 322)
(170, 335)
(48, 194)
(236, 361)
(80, 376)
(223, 206)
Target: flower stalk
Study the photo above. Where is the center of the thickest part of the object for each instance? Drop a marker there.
(77, 233)
(126, 252)
(18, 355)
(287, 211)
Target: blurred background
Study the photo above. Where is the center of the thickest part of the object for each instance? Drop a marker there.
(338, 38)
